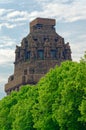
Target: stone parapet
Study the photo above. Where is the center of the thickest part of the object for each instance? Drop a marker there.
(43, 21)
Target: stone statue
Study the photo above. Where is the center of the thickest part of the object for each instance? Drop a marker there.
(68, 51)
(59, 50)
(47, 49)
(17, 51)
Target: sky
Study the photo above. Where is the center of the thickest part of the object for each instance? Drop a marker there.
(15, 16)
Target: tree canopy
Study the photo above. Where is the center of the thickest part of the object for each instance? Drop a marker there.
(57, 102)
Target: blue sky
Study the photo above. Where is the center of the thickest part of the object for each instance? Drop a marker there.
(15, 16)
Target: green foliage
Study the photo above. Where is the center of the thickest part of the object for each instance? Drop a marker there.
(70, 95)
(42, 111)
(82, 108)
(5, 106)
(21, 112)
(57, 102)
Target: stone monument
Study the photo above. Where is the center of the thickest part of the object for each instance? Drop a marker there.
(41, 50)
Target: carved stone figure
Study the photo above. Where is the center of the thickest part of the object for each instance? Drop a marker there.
(47, 49)
(68, 51)
(17, 55)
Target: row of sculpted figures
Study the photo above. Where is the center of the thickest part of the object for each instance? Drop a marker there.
(42, 51)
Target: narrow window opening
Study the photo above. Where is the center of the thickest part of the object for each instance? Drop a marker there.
(40, 54)
(53, 53)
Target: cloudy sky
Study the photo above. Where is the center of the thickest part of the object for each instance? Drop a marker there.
(15, 16)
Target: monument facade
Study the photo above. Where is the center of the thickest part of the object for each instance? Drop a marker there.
(41, 50)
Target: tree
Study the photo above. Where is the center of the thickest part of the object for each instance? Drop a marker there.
(21, 113)
(42, 111)
(5, 107)
(70, 95)
(57, 102)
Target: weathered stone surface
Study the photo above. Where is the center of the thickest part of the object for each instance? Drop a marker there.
(41, 50)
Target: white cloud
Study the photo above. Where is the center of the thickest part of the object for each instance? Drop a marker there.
(71, 12)
(5, 1)
(7, 51)
(17, 14)
(7, 25)
(6, 41)
(13, 18)
(11, 25)
(78, 51)
(6, 56)
(4, 11)
(2, 79)
(42, 1)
